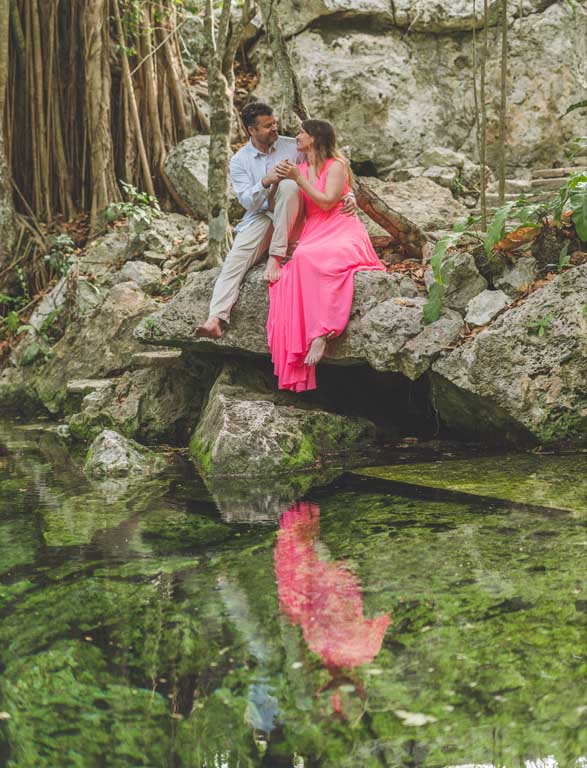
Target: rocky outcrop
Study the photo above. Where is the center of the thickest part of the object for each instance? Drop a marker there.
(111, 455)
(248, 431)
(422, 200)
(150, 404)
(97, 348)
(434, 16)
(407, 66)
(524, 377)
(386, 328)
(186, 167)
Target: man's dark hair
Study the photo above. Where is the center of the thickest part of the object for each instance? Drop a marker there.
(252, 111)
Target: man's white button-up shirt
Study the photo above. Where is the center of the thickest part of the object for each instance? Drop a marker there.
(248, 168)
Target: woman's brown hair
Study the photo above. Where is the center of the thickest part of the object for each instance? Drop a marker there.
(324, 137)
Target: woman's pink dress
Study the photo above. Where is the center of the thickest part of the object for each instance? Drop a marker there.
(314, 294)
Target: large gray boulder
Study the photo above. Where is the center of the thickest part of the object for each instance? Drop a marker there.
(416, 87)
(186, 167)
(421, 200)
(386, 327)
(514, 381)
(150, 404)
(97, 347)
(461, 280)
(434, 16)
(246, 431)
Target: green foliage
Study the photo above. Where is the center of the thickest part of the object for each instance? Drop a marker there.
(59, 258)
(540, 325)
(139, 207)
(576, 105)
(564, 258)
(433, 307)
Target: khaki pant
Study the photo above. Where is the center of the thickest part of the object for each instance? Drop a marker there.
(250, 245)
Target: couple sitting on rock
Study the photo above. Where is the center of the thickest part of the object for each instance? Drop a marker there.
(310, 296)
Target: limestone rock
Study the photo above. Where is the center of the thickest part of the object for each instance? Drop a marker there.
(88, 296)
(107, 253)
(248, 433)
(444, 177)
(485, 306)
(97, 347)
(146, 276)
(168, 235)
(511, 381)
(461, 280)
(421, 200)
(435, 16)
(187, 168)
(112, 455)
(354, 59)
(519, 277)
(386, 327)
(149, 404)
(393, 337)
(51, 303)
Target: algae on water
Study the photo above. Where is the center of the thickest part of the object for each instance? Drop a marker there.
(548, 481)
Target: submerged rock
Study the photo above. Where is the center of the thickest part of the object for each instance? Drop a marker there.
(386, 327)
(524, 376)
(247, 432)
(112, 455)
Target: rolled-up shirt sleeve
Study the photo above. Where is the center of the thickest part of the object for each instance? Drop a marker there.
(251, 194)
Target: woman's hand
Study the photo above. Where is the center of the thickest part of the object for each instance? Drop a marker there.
(287, 170)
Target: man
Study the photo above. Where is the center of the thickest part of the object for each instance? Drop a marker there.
(253, 173)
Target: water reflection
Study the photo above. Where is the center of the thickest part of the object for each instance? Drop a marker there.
(324, 598)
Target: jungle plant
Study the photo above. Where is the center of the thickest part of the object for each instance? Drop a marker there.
(139, 207)
(540, 325)
(59, 258)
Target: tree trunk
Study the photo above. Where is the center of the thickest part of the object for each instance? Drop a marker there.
(222, 47)
(6, 205)
(503, 101)
(104, 188)
(403, 230)
(293, 107)
(483, 118)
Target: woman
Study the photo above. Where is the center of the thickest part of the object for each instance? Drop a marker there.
(311, 301)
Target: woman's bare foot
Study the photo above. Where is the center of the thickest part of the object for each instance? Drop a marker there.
(317, 349)
(273, 270)
(211, 329)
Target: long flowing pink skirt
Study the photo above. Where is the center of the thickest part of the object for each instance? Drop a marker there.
(314, 294)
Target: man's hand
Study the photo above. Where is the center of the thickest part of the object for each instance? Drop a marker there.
(270, 178)
(349, 204)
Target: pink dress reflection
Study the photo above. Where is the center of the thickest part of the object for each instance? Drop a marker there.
(323, 598)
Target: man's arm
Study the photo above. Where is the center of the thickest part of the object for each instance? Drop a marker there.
(251, 194)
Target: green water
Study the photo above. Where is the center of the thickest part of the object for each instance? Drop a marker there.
(150, 626)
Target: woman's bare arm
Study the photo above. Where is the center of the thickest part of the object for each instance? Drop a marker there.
(336, 179)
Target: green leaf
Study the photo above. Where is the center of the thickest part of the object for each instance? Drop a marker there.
(579, 210)
(30, 354)
(433, 306)
(565, 257)
(12, 321)
(496, 228)
(573, 107)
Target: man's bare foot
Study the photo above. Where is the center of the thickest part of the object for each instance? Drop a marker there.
(273, 270)
(211, 329)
